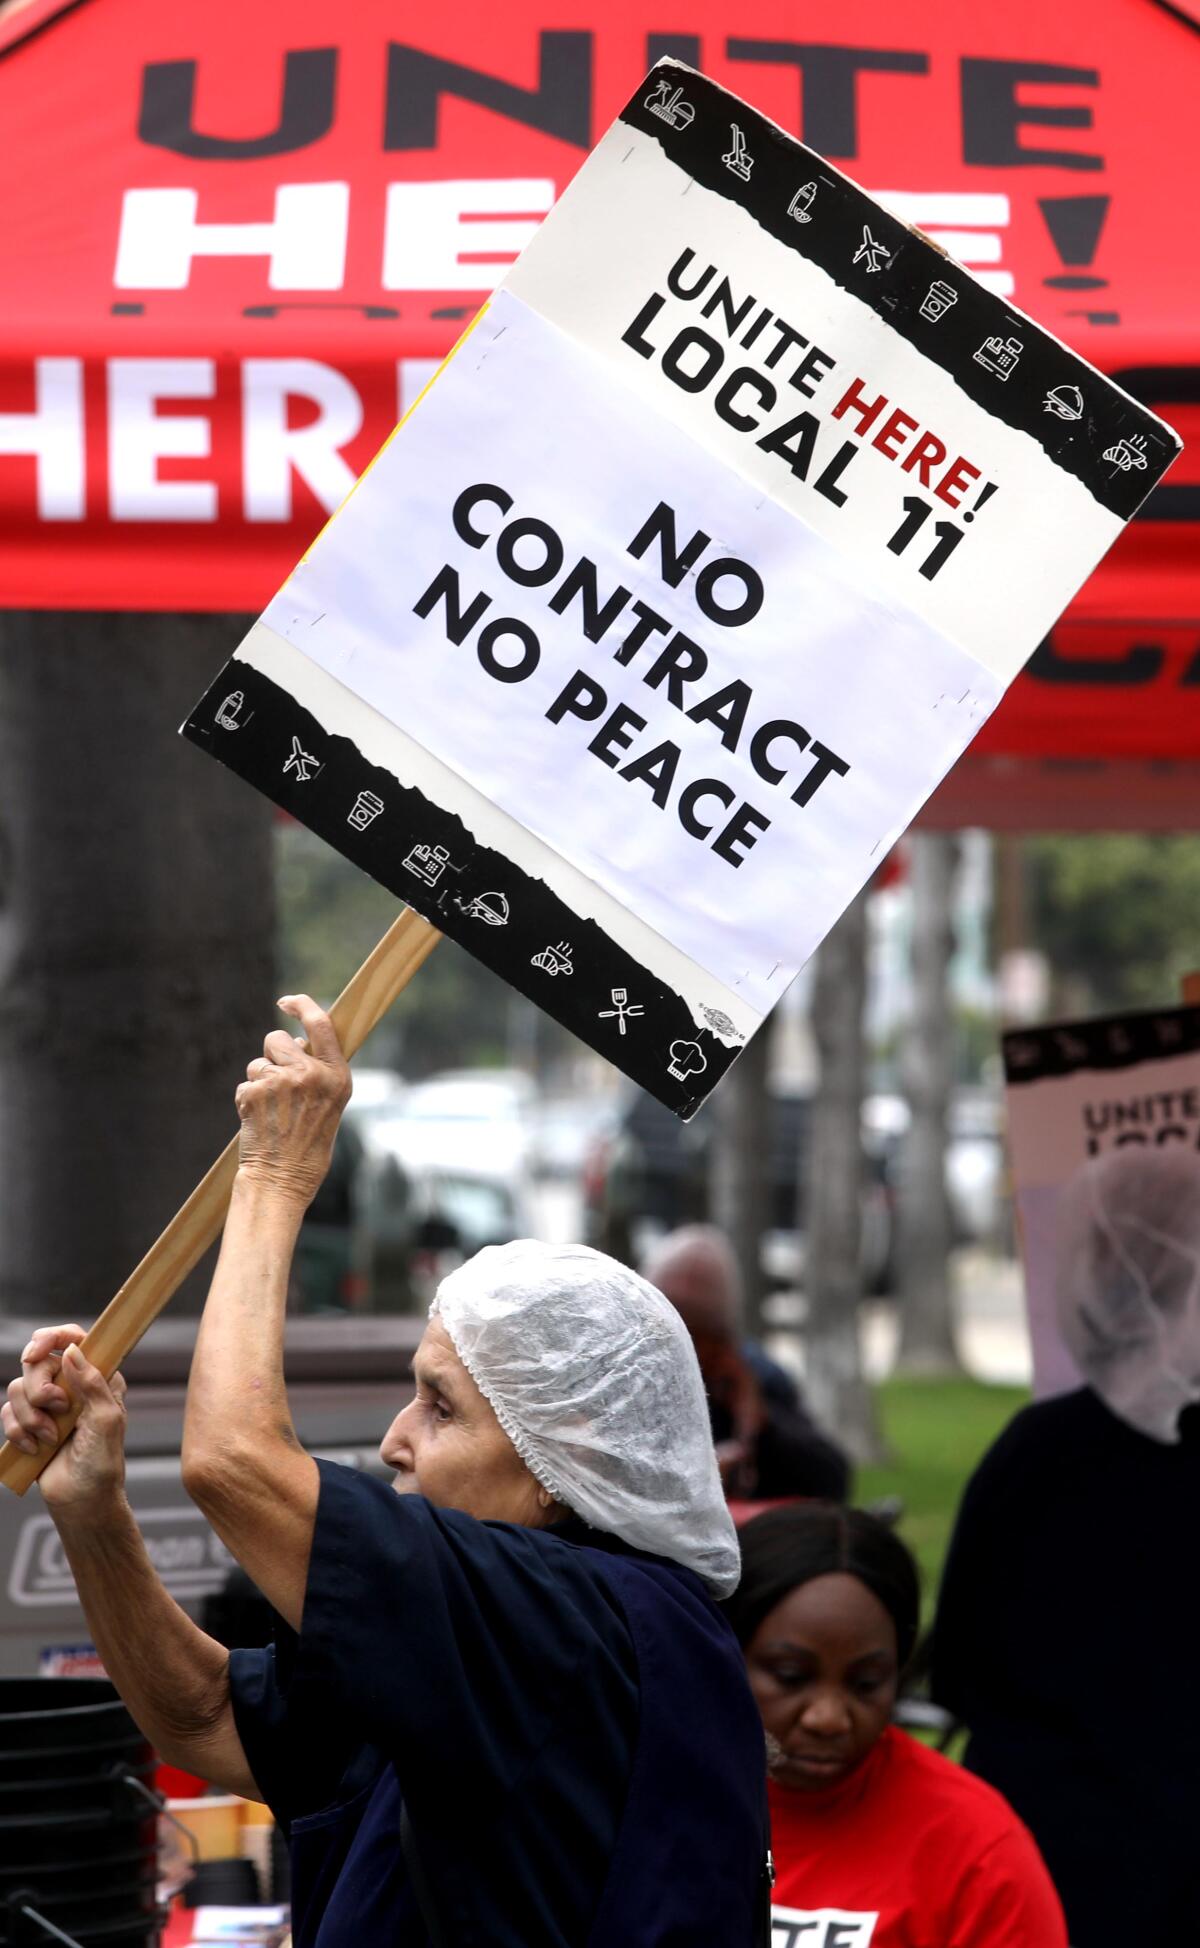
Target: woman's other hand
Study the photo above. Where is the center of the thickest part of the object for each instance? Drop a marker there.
(89, 1470)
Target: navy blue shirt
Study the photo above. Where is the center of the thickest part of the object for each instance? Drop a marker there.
(489, 1675)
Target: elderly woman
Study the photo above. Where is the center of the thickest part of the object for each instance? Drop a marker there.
(1067, 1624)
(502, 1706)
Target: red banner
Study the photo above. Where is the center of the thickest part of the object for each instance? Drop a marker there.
(234, 237)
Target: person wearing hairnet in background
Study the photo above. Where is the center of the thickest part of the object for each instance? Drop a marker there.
(1069, 1621)
(502, 1707)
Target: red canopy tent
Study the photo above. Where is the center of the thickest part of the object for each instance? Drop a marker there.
(234, 237)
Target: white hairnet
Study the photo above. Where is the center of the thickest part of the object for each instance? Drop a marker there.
(593, 1378)
(1128, 1287)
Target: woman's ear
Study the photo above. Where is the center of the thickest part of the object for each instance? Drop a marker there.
(549, 1511)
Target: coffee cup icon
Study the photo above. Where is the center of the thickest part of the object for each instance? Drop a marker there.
(937, 300)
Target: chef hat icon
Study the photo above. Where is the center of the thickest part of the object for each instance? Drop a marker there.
(686, 1059)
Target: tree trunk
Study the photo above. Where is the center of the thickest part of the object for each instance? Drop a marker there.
(136, 947)
(740, 1167)
(837, 1391)
(927, 1343)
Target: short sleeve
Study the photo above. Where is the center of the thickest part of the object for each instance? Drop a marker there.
(299, 1754)
(452, 1646)
(1008, 1900)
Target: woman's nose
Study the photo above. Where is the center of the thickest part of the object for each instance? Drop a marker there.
(824, 1714)
(396, 1447)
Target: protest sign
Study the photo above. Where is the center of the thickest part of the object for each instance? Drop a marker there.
(1076, 1090)
(686, 581)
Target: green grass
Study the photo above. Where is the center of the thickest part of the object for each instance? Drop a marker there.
(935, 1431)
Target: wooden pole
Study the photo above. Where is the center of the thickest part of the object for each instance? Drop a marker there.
(357, 1010)
(1190, 986)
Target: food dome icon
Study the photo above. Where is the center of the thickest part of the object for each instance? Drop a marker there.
(491, 908)
(687, 1059)
(1066, 402)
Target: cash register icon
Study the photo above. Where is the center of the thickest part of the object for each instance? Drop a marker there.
(999, 355)
(427, 863)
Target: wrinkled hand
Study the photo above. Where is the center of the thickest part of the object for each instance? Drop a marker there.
(291, 1104)
(90, 1468)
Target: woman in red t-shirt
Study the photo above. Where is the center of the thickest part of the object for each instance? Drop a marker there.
(877, 1839)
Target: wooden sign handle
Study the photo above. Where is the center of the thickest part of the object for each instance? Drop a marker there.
(357, 1010)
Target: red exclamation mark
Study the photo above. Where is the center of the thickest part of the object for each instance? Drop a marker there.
(985, 494)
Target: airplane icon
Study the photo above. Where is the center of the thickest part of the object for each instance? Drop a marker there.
(875, 253)
(302, 762)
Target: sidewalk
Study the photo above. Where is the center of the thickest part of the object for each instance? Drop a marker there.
(993, 1338)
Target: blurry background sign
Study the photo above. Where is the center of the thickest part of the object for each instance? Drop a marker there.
(234, 242)
(1077, 1090)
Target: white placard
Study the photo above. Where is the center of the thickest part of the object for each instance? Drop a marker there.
(827, 688)
(687, 580)
(1029, 545)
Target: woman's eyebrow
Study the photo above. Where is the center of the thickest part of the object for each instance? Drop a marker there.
(882, 1655)
(432, 1377)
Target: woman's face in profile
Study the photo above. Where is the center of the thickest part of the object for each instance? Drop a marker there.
(448, 1445)
(823, 1667)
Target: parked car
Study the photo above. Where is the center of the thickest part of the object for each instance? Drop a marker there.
(330, 1271)
(649, 1173)
(976, 1174)
(565, 1131)
(419, 1180)
(477, 1119)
